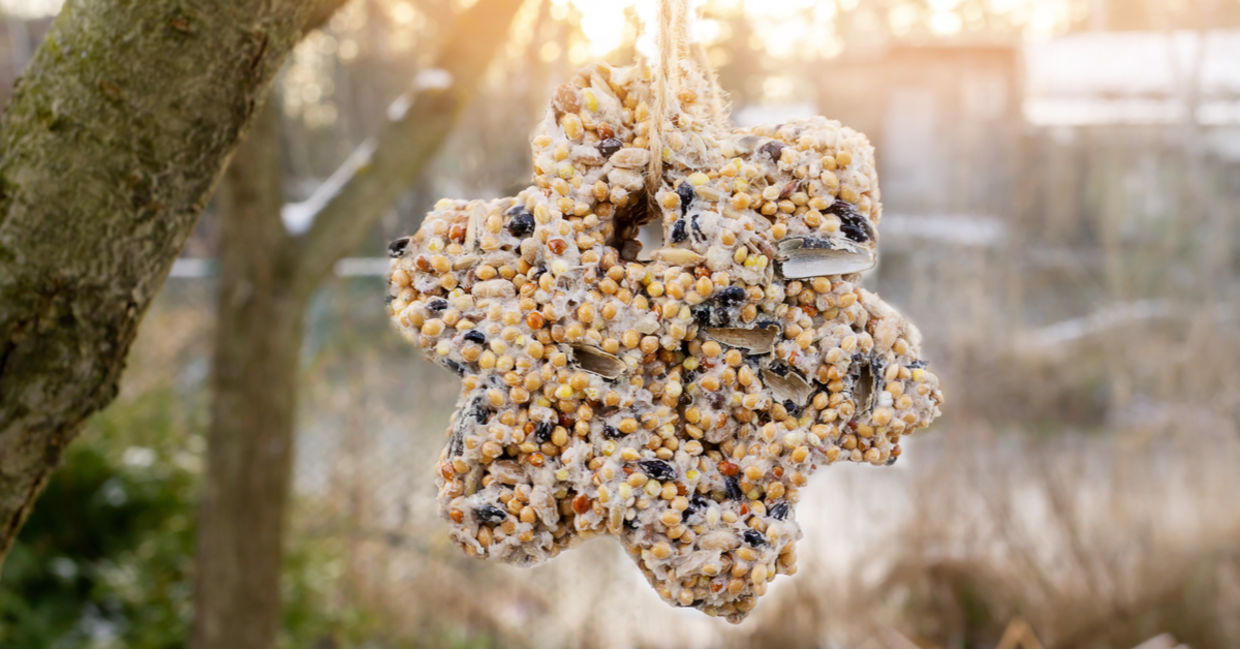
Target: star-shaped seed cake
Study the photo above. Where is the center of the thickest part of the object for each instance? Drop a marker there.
(680, 399)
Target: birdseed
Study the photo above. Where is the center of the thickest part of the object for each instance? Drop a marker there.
(677, 400)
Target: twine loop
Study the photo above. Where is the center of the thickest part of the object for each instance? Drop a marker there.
(677, 59)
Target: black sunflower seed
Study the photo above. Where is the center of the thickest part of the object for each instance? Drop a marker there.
(730, 296)
(609, 146)
(398, 247)
(773, 149)
(657, 469)
(733, 487)
(852, 224)
(542, 432)
(490, 514)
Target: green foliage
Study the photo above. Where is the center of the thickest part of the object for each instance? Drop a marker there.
(104, 558)
(314, 614)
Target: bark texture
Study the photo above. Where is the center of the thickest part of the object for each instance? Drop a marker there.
(109, 148)
(266, 279)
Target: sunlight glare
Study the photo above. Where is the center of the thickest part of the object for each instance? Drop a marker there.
(903, 18)
(549, 51)
(943, 23)
(780, 24)
(777, 8)
(942, 6)
(403, 13)
(30, 8)
(603, 24)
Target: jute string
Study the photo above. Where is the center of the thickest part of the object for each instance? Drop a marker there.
(669, 74)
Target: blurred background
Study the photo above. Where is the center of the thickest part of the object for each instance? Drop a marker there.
(1061, 184)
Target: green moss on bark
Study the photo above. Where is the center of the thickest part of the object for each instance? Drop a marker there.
(109, 148)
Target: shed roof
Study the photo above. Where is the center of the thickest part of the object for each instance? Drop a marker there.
(1132, 78)
(1133, 63)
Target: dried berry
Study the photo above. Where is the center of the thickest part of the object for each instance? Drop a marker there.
(685, 191)
(522, 224)
(679, 233)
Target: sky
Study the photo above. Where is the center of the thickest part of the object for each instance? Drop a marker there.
(30, 7)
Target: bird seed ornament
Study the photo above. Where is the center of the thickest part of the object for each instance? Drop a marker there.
(678, 400)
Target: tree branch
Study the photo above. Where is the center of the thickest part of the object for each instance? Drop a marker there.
(109, 148)
(349, 203)
(320, 12)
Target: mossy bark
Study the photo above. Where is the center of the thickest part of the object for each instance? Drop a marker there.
(111, 144)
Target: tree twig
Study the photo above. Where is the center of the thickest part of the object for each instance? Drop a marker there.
(345, 207)
(320, 12)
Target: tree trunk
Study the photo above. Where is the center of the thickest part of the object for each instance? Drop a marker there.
(109, 148)
(250, 439)
(266, 278)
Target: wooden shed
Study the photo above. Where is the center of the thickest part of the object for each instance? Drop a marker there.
(945, 119)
